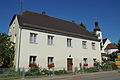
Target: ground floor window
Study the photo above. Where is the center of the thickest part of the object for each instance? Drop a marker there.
(94, 62)
(32, 61)
(50, 62)
(85, 62)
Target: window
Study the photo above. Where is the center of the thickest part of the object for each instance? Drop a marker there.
(50, 62)
(93, 45)
(94, 62)
(84, 44)
(33, 37)
(32, 61)
(15, 38)
(85, 62)
(69, 42)
(50, 40)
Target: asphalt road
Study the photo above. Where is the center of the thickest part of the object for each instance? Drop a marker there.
(112, 75)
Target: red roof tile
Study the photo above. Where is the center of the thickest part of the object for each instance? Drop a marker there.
(111, 46)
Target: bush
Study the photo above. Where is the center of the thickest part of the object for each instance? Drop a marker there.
(108, 66)
(59, 72)
(34, 70)
(46, 72)
(91, 69)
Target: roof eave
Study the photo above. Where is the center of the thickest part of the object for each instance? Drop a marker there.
(24, 25)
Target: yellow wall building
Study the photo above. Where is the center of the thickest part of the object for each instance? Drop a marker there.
(117, 60)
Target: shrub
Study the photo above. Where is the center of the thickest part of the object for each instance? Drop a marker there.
(91, 69)
(46, 72)
(59, 72)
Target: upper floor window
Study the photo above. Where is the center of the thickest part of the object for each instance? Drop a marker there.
(84, 44)
(69, 42)
(50, 40)
(33, 37)
(93, 45)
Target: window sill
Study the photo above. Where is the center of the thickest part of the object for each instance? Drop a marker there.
(33, 43)
(69, 46)
(50, 44)
(85, 48)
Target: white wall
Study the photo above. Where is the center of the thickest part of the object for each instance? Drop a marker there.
(109, 51)
(105, 45)
(59, 50)
(15, 30)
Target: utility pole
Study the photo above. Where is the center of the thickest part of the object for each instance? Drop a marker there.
(21, 5)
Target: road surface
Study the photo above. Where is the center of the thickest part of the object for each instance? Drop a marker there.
(112, 75)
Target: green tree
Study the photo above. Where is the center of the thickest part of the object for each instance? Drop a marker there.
(81, 24)
(118, 45)
(113, 56)
(6, 51)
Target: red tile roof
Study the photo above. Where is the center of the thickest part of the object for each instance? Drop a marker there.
(111, 46)
(38, 21)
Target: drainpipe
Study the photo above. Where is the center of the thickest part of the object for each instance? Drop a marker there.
(19, 49)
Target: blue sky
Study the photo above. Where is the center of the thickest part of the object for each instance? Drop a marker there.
(107, 12)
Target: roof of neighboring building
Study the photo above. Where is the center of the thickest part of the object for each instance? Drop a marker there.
(104, 40)
(42, 21)
(111, 46)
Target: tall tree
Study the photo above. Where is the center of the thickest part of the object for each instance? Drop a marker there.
(6, 51)
(81, 24)
(118, 45)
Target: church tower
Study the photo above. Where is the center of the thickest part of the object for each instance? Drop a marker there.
(98, 33)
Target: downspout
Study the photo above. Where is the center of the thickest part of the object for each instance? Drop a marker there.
(19, 50)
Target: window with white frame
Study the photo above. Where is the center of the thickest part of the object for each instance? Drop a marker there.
(33, 37)
(85, 60)
(50, 40)
(32, 61)
(50, 60)
(84, 44)
(69, 42)
(93, 45)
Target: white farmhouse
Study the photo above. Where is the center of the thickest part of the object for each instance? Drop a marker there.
(51, 42)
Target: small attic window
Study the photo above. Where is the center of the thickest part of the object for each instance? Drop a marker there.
(13, 25)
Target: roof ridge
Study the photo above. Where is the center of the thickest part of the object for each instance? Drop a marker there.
(49, 16)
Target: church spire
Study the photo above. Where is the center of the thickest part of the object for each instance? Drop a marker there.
(96, 26)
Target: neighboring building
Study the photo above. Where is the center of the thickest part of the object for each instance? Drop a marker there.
(117, 60)
(106, 45)
(51, 42)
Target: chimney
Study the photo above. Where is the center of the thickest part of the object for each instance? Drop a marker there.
(43, 13)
